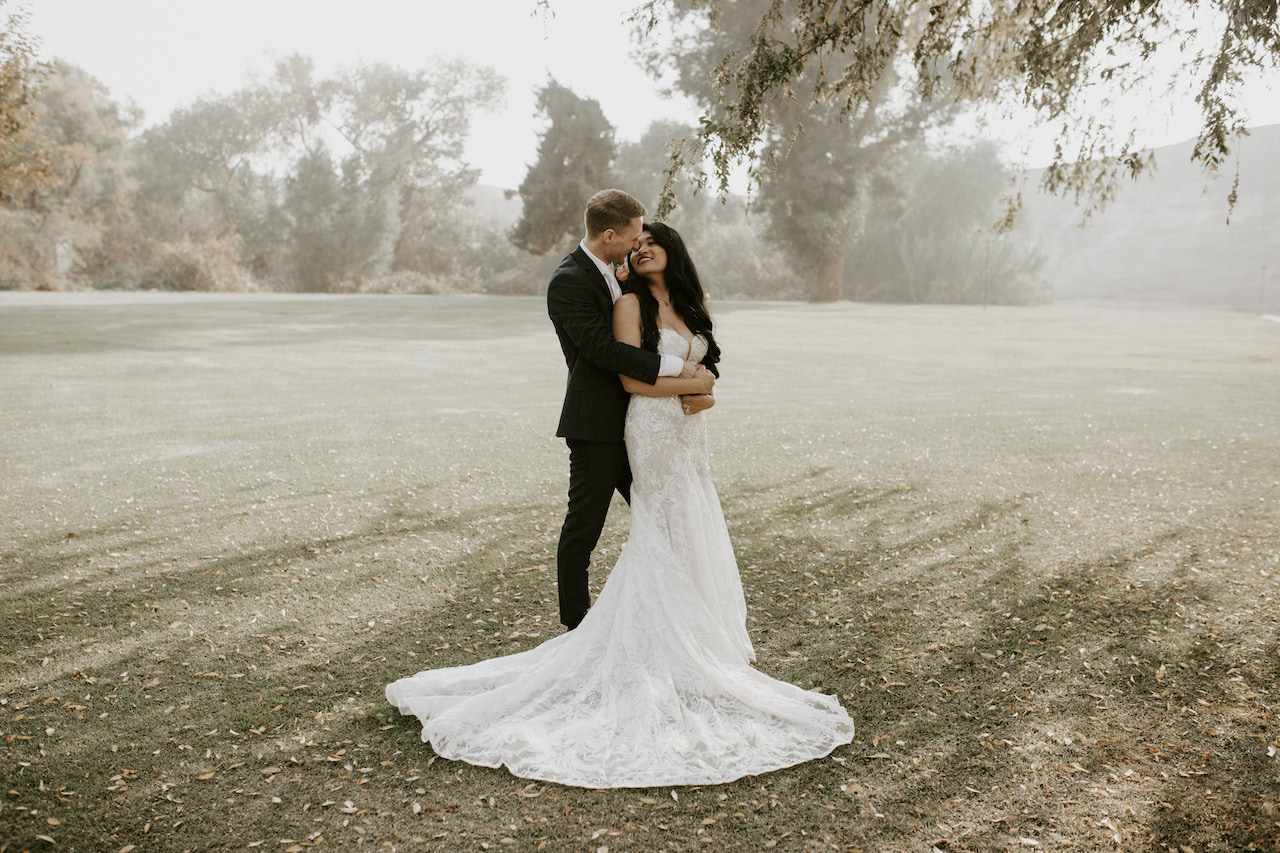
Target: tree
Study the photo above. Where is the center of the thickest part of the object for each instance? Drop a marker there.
(213, 216)
(816, 199)
(815, 164)
(63, 225)
(341, 223)
(929, 240)
(826, 169)
(1049, 56)
(25, 163)
(640, 168)
(193, 163)
(322, 183)
(574, 157)
(313, 201)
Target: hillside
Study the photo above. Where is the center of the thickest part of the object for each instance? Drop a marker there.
(1166, 239)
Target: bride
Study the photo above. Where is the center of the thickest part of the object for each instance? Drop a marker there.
(655, 686)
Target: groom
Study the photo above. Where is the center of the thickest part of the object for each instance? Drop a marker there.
(580, 301)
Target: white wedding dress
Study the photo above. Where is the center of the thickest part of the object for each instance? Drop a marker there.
(655, 686)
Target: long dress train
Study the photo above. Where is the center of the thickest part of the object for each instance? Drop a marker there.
(655, 686)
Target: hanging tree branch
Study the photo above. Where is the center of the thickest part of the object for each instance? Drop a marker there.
(1062, 60)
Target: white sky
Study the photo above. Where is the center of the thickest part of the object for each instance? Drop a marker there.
(163, 54)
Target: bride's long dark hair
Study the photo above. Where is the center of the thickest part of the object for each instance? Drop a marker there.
(684, 287)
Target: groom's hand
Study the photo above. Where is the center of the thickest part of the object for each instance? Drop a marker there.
(694, 403)
(690, 370)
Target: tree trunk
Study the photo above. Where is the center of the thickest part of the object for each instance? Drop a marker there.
(830, 285)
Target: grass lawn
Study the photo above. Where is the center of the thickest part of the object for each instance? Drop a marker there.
(1034, 551)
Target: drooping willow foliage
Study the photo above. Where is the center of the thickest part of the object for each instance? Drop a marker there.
(1060, 59)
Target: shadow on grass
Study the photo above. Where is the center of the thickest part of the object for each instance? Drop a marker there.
(1100, 700)
(976, 684)
(151, 695)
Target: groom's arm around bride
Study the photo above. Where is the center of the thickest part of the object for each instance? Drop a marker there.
(580, 301)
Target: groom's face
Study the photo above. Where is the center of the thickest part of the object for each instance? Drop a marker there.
(621, 243)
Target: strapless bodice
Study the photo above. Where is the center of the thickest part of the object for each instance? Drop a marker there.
(671, 342)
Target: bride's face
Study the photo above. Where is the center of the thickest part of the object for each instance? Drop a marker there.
(650, 257)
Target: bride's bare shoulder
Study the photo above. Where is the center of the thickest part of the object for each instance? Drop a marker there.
(626, 319)
(628, 305)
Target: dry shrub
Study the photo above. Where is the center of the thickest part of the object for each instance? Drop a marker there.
(43, 251)
(22, 267)
(207, 266)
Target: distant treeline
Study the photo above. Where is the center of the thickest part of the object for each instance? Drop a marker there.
(357, 183)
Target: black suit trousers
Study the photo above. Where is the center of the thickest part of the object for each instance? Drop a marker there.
(596, 470)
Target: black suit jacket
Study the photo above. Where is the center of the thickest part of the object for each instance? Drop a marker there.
(595, 403)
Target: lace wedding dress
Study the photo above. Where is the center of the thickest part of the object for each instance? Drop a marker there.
(655, 686)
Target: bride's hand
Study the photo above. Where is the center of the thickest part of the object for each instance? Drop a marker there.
(707, 380)
(694, 403)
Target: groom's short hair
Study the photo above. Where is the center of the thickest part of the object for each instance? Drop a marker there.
(611, 209)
